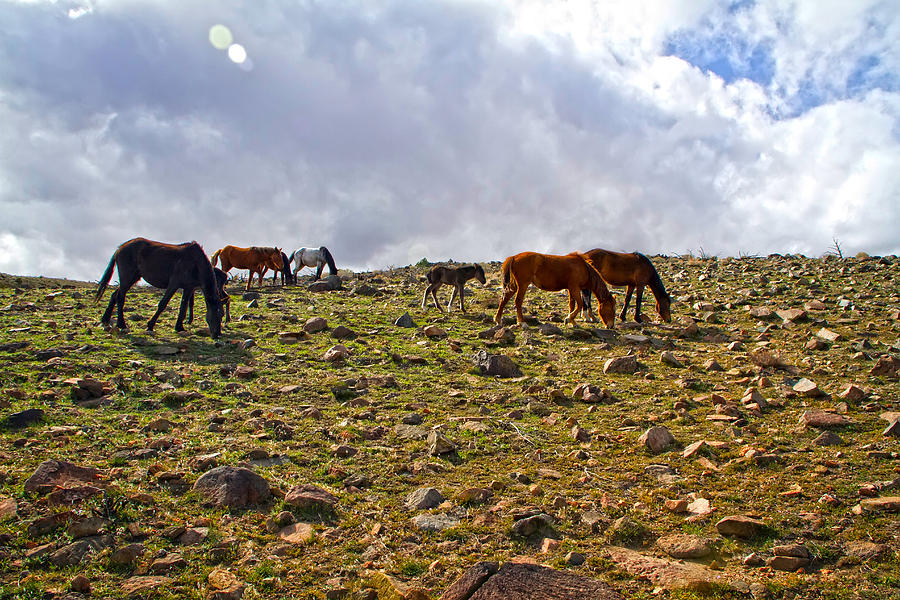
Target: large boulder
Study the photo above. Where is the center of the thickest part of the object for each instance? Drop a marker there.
(234, 487)
(53, 474)
(522, 581)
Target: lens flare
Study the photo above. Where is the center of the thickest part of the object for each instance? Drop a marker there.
(237, 53)
(220, 37)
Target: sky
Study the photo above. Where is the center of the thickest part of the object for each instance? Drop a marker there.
(395, 130)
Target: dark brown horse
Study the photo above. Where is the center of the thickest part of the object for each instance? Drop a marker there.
(550, 272)
(224, 298)
(285, 271)
(634, 270)
(168, 266)
(456, 276)
(256, 258)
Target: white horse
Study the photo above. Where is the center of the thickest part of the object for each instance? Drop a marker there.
(311, 257)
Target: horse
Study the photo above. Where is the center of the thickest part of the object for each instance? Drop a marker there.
(309, 257)
(550, 272)
(224, 298)
(256, 258)
(455, 276)
(285, 271)
(168, 266)
(635, 271)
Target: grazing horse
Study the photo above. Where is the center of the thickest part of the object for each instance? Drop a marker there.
(309, 257)
(455, 276)
(224, 298)
(573, 272)
(284, 271)
(635, 271)
(168, 266)
(255, 258)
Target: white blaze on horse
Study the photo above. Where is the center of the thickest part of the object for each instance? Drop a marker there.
(313, 257)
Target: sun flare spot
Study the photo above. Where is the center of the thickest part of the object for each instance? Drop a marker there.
(220, 37)
(237, 53)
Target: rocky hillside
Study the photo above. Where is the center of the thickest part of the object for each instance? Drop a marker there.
(327, 447)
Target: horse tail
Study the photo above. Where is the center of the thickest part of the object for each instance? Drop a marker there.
(507, 269)
(215, 258)
(107, 275)
(332, 268)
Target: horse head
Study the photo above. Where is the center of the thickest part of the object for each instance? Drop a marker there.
(663, 306)
(479, 274)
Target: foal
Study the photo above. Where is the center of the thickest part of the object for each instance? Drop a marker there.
(455, 276)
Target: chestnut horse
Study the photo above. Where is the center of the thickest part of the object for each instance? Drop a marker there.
(457, 277)
(285, 271)
(550, 272)
(255, 258)
(168, 266)
(634, 270)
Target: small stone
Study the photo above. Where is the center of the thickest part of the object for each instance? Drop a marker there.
(574, 558)
(740, 526)
(892, 430)
(438, 444)
(828, 438)
(423, 498)
(336, 353)
(296, 533)
(621, 364)
(820, 419)
(828, 335)
(405, 321)
(685, 546)
(668, 358)
(315, 325)
(80, 584)
(656, 439)
(433, 331)
(126, 555)
(694, 449)
(311, 497)
(791, 315)
(438, 522)
(807, 388)
(235, 487)
(853, 393)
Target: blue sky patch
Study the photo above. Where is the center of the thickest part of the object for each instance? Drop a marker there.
(726, 54)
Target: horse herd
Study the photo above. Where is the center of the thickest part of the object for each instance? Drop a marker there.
(186, 267)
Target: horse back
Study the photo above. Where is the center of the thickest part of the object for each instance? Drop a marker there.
(622, 268)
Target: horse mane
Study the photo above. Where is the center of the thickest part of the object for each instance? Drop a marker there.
(596, 279)
(332, 268)
(655, 283)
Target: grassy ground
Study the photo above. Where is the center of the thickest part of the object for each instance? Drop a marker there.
(435, 378)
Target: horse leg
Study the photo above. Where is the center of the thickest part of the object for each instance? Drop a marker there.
(637, 303)
(434, 288)
(627, 300)
(107, 314)
(520, 297)
(462, 291)
(167, 295)
(453, 297)
(498, 319)
(425, 297)
(190, 306)
(319, 266)
(185, 300)
(124, 285)
(575, 305)
(588, 309)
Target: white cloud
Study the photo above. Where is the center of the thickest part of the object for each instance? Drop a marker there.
(469, 130)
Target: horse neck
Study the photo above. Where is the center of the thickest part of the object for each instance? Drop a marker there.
(465, 273)
(656, 286)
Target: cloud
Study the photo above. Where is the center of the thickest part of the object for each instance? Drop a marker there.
(394, 130)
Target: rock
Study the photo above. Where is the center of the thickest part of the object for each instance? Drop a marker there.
(807, 388)
(682, 545)
(405, 321)
(343, 333)
(127, 555)
(52, 474)
(167, 563)
(699, 506)
(23, 418)
(657, 439)
(496, 365)
(694, 449)
(8, 507)
(87, 527)
(433, 331)
(820, 419)
(668, 358)
(336, 353)
(789, 557)
(312, 498)
(580, 435)
(886, 366)
(315, 325)
(439, 522)
(740, 526)
(423, 498)
(225, 586)
(438, 444)
(329, 284)
(574, 558)
(143, 586)
(524, 581)
(297, 533)
(791, 315)
(193, 536)
(621, 364)
(80, 584)
(828, 335)
(627, 529)
(72, 554)
(885, 504)
(244, 372)
(663, 573)
(474, 496)
(892, 430)
(540, 523)
(234, 487)
(853, 393)
(828, 438)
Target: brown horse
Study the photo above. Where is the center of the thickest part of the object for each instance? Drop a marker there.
(256, 258)
(456, 276)
(634, 270)
(550, 272)
(168, 266)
